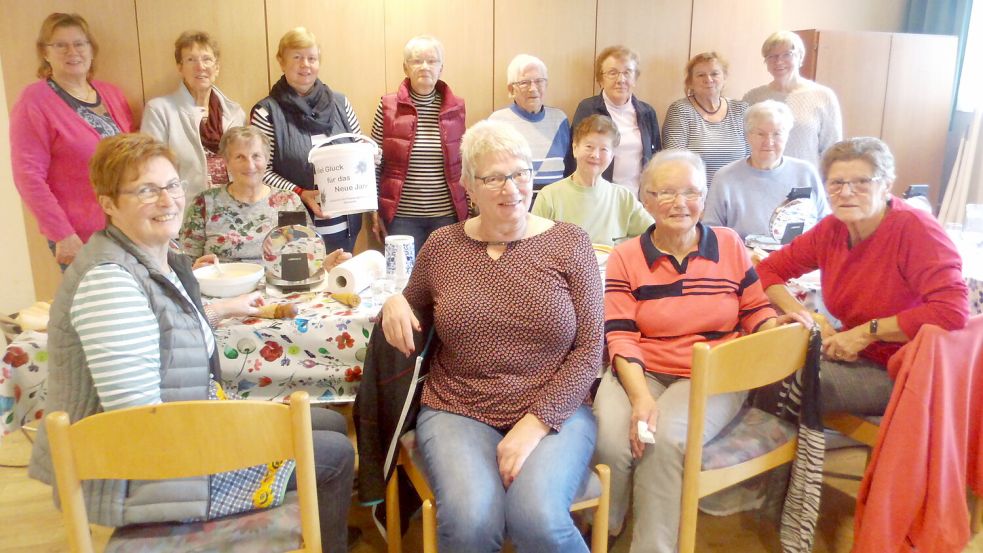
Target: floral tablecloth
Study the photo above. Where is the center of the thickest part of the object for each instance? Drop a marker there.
(321, 351)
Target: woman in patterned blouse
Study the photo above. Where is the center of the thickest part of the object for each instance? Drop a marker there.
(517, 306)
(229, 223)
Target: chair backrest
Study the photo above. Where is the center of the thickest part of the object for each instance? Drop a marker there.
(750, 361)
(179, 440)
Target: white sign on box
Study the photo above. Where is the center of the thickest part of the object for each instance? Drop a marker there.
(345, 175)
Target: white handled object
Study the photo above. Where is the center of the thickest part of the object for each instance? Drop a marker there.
(644, 434)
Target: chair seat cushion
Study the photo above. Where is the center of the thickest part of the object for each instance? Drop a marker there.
(752, 433)
(590, 488)
(253, 532)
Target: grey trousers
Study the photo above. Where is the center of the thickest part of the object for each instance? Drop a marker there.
(658, 475)
(860, 388)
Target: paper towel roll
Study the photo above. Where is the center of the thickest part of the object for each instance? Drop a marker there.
(357, 273)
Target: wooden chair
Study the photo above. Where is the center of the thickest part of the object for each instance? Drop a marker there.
(745, 363)
(596, 496)
(185, 439)
(865, 431)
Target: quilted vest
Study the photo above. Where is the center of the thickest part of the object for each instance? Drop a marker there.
(399, 119)
(185, 373)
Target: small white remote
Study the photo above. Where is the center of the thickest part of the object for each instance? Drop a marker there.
(644, 434)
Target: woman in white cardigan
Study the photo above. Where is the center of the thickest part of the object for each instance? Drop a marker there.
(192, 119)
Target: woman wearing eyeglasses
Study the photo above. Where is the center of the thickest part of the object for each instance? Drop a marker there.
(128, 329)
(679, 283)
(616, 70)
(191, 119)
(545, 128)
(517, 308)
(818, 121)
(886, 270)
(54, 128)
(419, 130)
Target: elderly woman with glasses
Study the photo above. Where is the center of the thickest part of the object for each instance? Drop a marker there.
(192, 119)
(54, 128)
(705, 121)
(679, 283)
(516, 302)
(886, 270)
(545, 128)
(818, 122)
(616, 70)
(745, 193)
(128, 329)
(419, 130)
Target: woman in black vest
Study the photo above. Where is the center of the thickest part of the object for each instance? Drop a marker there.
(300, 113)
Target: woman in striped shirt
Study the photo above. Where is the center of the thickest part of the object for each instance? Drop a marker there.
(705, 122)
(301, 112)
(128, 329)
(419, 129)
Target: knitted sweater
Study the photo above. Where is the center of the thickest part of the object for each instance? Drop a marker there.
(605, 211)
(818, 121)
(548, 134)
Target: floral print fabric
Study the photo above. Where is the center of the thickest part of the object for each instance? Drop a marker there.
(217, 223)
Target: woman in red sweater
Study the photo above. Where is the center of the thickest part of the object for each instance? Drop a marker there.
(886, 270)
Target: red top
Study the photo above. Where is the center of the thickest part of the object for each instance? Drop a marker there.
(655, 309)
(519, 334)
(908, 267)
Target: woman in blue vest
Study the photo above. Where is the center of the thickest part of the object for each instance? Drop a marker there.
(300, 113)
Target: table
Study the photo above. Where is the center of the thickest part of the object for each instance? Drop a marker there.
(321, 352)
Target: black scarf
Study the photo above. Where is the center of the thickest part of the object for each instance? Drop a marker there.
(313, 113)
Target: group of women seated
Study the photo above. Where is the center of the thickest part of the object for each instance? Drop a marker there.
(516, 295)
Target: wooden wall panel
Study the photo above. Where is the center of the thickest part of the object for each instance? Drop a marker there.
(860, 82)
(736, 30)
(465, 29)
(915, 137)
(659, 31)
(113, 24)
(237, 25)
(352, 41)
(559, 32)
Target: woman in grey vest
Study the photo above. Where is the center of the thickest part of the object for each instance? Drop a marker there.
(128, 328)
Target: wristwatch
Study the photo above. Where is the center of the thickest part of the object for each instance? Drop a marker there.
(872, 327)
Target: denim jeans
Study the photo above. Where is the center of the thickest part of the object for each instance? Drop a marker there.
(334, 471)
(418, 227)
(474, 510)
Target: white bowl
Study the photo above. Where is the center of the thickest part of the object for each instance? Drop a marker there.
(229, 279)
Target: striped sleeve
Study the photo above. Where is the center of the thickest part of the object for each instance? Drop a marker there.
(377, 126)
(261, 120)
(120, 337)
(352, 118)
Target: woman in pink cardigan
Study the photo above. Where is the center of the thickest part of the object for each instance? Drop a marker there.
(54, 128)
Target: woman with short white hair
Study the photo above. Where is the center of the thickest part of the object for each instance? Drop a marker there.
(546, 128)
(745, 193)
(818, 121)
(419, 129)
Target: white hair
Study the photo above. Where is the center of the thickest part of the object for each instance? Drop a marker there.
(769, 110)
(671, 156)
(491, 137)
(520, 63)
(422, 42)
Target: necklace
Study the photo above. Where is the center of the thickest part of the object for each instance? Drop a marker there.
(705, 110)
(86, 96)
(498, 243)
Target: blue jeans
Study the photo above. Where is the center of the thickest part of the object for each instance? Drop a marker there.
(419, 227)
(474, 510)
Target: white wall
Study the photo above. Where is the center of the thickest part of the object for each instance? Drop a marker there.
(16, 283)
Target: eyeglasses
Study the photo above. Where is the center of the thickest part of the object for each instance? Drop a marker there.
(862, 185)
(150, 193)
(669, 196)
(529, 83)
(613, 74)
(495, 183)
(418, 62)
(205, 61)
(63, 47)
(784, 56)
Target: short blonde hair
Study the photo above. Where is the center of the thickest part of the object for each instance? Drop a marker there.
(297, 38)
(244, 133)
(491, 137)
(422, 42)
(120, 158)
(620, 52)
(57, 21)
(703, 58)
(788, 39)
(193, 38)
